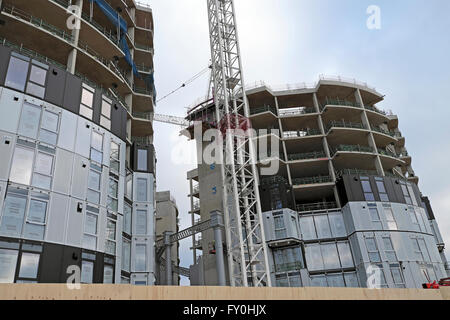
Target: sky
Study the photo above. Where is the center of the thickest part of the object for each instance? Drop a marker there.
(294, 41)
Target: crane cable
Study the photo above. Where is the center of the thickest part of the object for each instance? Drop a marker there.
(184, 84)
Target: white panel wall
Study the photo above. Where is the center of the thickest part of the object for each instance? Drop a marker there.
(83, 138)
(63, 171)
(57, 218)
(75, 224)
(101, 230)
(7, 143)
(68, 130)
(79, 177)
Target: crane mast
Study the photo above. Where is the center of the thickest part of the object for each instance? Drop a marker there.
(246, 245)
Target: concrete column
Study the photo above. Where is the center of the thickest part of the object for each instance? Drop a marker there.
(217, 224)
(72, 58)
(194, 250)
(168, 253)
(282, 141)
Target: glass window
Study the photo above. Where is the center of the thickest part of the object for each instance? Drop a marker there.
(17, 73)
(113, 193)
(336, 280)
(382, 190)
(127, 218)
(115, 156)
(90, 223)
(375, 217)
(307, 228)
(35, 90)
(414, 220)
(282, 280)
(141, 222)
(90, 242)
(129, 186)
(29, 120)
(337, 225)
(411, 194)
(392, 225)
(38, 75)
(141, 192)
(87, 271)
(420, 220)
(405, 193)
(389, 249)
(126, 255)
(367, 188)
(295, 227)
(22, 165)
(313, 257)
(97, 147)
(110, 247)
(319, 281)
(351, 280)
(141, 258)
(424, 250)
(374, 255)
(111, 230)
(87, 100)
(49, 127)
(108, 274)
(330, 256)
(397, 276)
(345, 255)
(142, 160)
(43, 164)
(34, 231)
(13, 215)
(94, 180)
(29, 265)
(8, 262)
(36, 83)
(280, 228)
(105, 119)
(322, 226)
(37, 211)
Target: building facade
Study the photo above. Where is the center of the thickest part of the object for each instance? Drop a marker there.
(344, 203)
(167, 221)
(77, 180)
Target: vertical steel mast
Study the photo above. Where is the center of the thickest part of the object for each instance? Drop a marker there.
(246, 245)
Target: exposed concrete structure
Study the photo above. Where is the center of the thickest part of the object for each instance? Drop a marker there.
(77, 163)
(344, 197)
(167, 220)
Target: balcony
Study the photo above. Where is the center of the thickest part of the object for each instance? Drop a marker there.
(141, 140)
(316, 206)
(339, 102)
(352, 148)
(344, 124)
(258, 110)
(302, 133)
(375, 109)
(312, 180)
(387, 153)
(291, 112)
(383, 131)
(143, 115)
(307, 156)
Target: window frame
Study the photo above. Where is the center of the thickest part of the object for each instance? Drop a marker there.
(86, 110)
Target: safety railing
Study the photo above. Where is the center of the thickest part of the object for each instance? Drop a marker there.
(312, 180)
(296, 111)
(339, 102)
(143, 115)
(404, 153)
(316, 206)
(196, 206)
(375, 109)
(143, 47)
(141, 90)
(352, 148)
(259, 110)
(383, 131)
(347, 80)
(302, 133)
(267, 181)
(22, 15)
(143, 68)
(196, 189)
(290, 266)
(111, 35)
(360, 172)
(344, 124)
(387, 153)
(306, 156)
(141, 140)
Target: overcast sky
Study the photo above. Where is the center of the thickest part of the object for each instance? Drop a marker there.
(293, 41)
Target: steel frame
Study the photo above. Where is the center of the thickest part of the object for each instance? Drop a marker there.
(246, 245)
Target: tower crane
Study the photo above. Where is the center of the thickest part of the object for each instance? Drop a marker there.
(247, 252)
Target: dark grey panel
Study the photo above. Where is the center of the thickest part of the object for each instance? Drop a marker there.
(56, 83)
(97, 106)
(151, 160)
(50, 267)
(72, 93)
(398, 190)
(389, 184)
(98, 268)
(374, 187)
(116, 119)
(123, 124)
(5, 52)
(428, 208)
(356, 192)
(71, 256)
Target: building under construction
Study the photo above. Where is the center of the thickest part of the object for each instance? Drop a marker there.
(344, 198)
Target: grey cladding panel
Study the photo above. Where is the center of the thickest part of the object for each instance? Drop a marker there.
(123, 135)
(72, 93)
(51, 268)
(56, 83)
(5, 52)
(97, 106)
(71, 256)
(116, 119)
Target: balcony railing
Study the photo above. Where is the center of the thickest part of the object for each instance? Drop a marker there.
(196, 189)
(375, 109)
(258, 110)
(344, 124)
(360, 172)
(352, 148)
(143, 47)
(306, 156)
(312, 180)
(296, 111)
(302, 133)
(143, 115)
(141, 140)
(141, 90)
(316, 206)
(339, 102)
(196, 206)
(107, 33)
(384, 131)
(387, 153)
(144, 68)
(273, 180)
(404, 154)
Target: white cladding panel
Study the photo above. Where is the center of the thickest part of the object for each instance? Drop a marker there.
(10, 108)
(83, 139)
(75, 223)
(79, 177)
(57, 218)
(63, 171)
(7, 143)
(68, 130)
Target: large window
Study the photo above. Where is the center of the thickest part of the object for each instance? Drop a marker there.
(29, 264)
(8, 262)
(25, 213)
(389, 249)
(16, 77)
(141, 189)
(307, 227)
(115, 157)
(372, 250)
(328, 256)
(87, 101)
(105, 118)
(94, 183)
(375, 218)
(110, 245)
(280, 227)
(113, 194)
(288, 259)
(367, 188)
(87, 267)
(38, 75)
(90, 228)
(126, 254)
(381, 189)
(108, 270)
(142, 159)
(392, 225)
(43, 170)
(97, 147)
(291, 279)
(346, 279)
(397, 275)
(141, 222)
(141, 258)
(322, 226)
(127, 213)
(38, 123)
